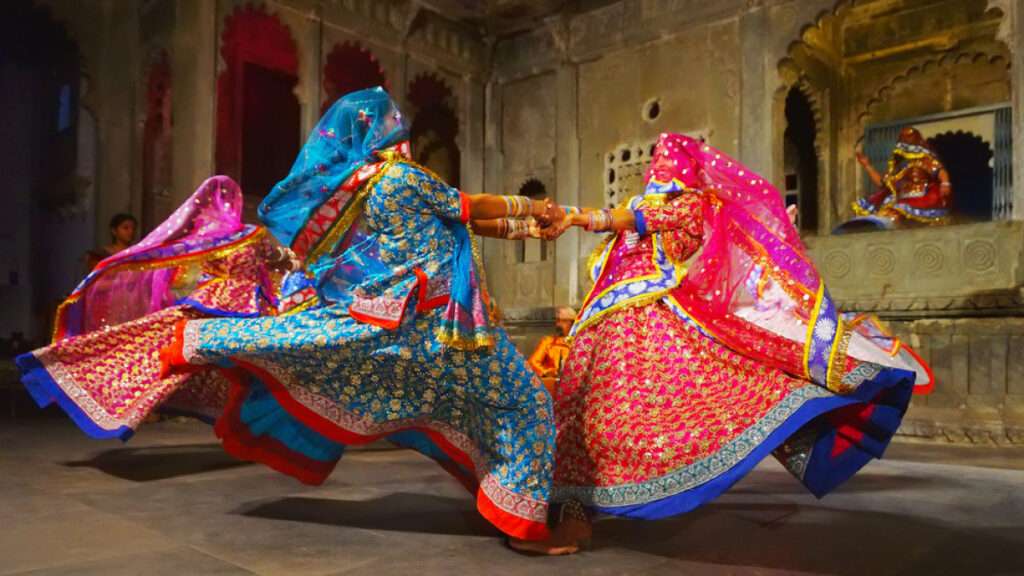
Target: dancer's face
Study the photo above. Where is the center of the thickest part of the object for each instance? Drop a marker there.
(671, 161)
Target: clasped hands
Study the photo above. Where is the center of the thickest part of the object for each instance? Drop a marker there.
(553, 222)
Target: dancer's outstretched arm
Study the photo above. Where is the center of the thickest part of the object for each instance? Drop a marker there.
(507, 228)
(873, 174)
(592, 220)
(491, 206)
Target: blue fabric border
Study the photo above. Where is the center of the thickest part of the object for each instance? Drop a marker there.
(825, 474)
(641, 222)
(45, 391)
(262, 415)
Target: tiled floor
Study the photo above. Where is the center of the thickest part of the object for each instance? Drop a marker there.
(170, 502)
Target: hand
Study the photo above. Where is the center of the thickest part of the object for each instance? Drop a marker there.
(546, 212)
(792, 211)
(533, 229)
(862, 159)
(553, 231)
(283, 260)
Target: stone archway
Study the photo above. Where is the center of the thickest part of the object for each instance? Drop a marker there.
(800, 157)
(258, 113)
(967, 158)
(350, 67)
(870, 61)
(435, 127)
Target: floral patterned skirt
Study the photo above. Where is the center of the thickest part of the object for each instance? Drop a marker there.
(309, 384)
(655, 418)
(108, 381)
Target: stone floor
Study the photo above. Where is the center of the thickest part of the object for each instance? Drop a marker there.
(170, 502)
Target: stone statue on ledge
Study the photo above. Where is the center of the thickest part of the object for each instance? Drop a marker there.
(914, 190)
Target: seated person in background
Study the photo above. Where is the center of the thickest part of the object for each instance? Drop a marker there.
(915, 189)
(552, 350)
(122, 235)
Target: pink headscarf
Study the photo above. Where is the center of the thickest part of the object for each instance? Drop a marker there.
(672, 162)
(137, 281)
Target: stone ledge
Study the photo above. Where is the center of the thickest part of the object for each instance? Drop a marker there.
(966, 267)
(529, 316)
(978, 433)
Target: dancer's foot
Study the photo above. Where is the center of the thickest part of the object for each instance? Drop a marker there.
(575, 530)
(574, 524)
(548, 547)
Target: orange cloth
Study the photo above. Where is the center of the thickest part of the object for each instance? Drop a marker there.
(549, 356)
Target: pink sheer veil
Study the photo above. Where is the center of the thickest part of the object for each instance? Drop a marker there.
(138, 280)
(754, 286)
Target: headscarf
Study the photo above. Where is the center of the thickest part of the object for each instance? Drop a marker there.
(673, 168)
(138, 280)
(348, 138)
(911, 144)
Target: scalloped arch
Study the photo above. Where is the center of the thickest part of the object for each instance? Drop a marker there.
(251, 35)
(350, 66)
(948, 60)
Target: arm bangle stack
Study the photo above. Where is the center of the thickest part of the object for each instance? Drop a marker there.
(517, 206)
(517, 229)
(599, 220)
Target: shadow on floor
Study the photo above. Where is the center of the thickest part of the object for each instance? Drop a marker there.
(780, 482)
(397, 512)
(160, 462)
(790, 537)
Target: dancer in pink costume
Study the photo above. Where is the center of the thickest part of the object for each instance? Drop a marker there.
(707, 343)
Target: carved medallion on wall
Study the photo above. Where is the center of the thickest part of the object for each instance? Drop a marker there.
(838, 264)
(979, 255)
(881, 261)
(928, 259)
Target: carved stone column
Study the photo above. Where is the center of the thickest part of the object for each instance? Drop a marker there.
(471, 135)
(755, 144)
(567, 176)
(493, 252)
(1014, 16)
(116, 82)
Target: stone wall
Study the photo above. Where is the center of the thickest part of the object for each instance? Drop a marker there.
(979, 372)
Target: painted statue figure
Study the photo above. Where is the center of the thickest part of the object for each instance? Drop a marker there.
(915, 189)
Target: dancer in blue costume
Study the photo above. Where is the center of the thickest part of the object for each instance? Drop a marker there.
(389, 336)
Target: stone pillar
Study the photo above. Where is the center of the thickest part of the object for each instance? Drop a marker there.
(492, 251)
(116, 82)
(1014, 14)
(309, 90)
(567, 178)
(756, 113)
(194, 72)
(472, 144)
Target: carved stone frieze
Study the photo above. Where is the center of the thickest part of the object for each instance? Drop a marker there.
(967, 267)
